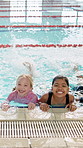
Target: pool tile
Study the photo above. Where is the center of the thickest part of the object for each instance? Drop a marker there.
(17, 114)
(38, 114)
(48, 143)
(64, 114)
(59, 110)
(12, 143)
(74, 142)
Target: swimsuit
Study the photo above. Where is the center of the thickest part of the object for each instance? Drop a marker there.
(30, 97)
(49, 100)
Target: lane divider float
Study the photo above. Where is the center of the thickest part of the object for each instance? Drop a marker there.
(69, 6)
(27, 26)
(40, 45)
(36, 10)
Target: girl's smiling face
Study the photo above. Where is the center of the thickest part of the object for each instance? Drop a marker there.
(23, 86)
(60, 88)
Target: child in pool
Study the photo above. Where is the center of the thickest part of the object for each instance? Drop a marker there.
(23, 93)
(58, 96)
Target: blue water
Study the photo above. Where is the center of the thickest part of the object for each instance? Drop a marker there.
(48, 62)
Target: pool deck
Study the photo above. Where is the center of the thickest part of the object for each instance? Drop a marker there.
(23, 114)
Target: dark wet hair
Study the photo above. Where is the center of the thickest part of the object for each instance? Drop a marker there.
(60, 77)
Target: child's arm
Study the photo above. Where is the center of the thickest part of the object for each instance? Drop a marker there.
(31, 106)
(5, 106)
(33, 100)
(42, 101)
(71, 105)
(44, 107)
(80, 76)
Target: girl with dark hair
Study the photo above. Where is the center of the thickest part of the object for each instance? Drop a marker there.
(58, 96)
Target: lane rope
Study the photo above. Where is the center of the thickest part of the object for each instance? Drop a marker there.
(37, 10)
(33, 1)
(40, 45)
(69, 6)
(27, 26)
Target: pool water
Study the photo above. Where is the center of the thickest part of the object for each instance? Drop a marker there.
(29, 23)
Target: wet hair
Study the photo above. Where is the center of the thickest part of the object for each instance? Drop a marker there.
(60, 77)
(28, 77)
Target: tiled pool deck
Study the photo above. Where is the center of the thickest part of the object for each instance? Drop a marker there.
(23, 114)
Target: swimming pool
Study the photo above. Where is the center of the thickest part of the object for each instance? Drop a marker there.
(49, 33)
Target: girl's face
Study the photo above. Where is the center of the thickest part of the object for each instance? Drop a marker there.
(23, 86)
(60, 88)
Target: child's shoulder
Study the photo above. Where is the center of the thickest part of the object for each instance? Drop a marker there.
(13, 92)
(45, 96)
(71, 97)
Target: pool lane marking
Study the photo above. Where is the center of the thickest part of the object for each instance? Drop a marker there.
(42, 6)
(40, 45)
(27, 26)
(53, 16)
(33, 1)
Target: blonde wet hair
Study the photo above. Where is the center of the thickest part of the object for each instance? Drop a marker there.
(29, 77)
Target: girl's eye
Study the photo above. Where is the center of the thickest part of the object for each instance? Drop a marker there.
(25, 85)
(64, 86)
(55, 85)
(19, 84)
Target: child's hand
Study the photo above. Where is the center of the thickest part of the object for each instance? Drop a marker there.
(5, 106)
(71, 106)
(44, 107)
(31, 106)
